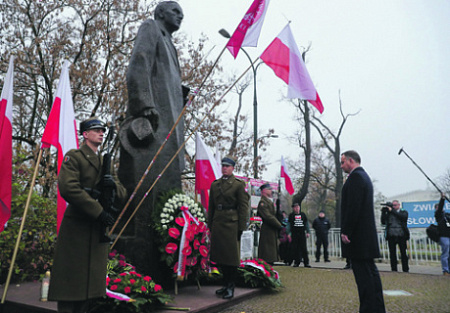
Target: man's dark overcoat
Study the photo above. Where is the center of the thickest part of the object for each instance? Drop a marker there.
(268, 240)
(358, 218)
(226, 223)
(79, 266)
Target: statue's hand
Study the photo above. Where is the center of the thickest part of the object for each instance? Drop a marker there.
(140, 131)
(153, 116)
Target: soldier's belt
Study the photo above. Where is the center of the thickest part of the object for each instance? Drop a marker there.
(221, 207)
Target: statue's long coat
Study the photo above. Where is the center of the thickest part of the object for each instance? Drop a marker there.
(154, 89)
(154, 97)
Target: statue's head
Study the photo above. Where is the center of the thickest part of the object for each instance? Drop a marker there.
(170, 14)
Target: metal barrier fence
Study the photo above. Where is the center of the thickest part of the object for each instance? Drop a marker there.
(420, 249)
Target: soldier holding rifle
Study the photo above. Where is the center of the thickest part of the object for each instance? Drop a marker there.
(79, 270)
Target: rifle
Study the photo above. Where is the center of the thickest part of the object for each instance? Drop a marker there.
(107, 191)
(279, 215)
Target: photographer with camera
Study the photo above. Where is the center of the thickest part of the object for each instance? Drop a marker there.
(397, 233)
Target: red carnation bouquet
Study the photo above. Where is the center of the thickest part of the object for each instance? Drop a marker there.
(127, 290)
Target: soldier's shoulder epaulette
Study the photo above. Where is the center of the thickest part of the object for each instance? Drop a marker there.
(239, 180)
(74, 151)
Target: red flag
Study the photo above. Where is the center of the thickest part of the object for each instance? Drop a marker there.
(6, 102)
(207, 169)
(61, 128)
(284, 58)
(248, 30)
(287, 178)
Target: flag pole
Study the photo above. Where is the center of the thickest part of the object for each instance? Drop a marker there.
(178, 151)
(138, 186)
(16, 248)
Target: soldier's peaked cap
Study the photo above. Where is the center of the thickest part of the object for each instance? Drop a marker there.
(91, 123)
(265, 186)
(228, 161)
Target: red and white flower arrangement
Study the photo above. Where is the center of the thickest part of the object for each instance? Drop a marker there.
(258, 273)
(183, 236)
(127, 290)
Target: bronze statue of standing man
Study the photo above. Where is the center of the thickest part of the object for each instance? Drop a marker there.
(155, 100)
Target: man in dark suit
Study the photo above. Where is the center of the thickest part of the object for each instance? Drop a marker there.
(359, 234)
(227, 219)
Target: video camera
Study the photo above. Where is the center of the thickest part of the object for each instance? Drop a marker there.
(386, 206)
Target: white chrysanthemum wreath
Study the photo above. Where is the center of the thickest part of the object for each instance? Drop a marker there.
(183, 235)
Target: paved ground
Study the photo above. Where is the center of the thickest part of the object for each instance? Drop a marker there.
(328, 288)
(323, 288)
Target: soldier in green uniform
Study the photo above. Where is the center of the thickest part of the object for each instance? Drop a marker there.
(228, 214)
(268, 240)
(79, 266)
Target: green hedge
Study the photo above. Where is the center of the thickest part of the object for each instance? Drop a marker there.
(35, 254)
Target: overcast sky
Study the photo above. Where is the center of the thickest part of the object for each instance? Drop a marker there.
(389, 59)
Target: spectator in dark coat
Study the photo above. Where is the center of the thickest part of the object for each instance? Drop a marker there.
(359, 234)
(284, 240)
(322, 225)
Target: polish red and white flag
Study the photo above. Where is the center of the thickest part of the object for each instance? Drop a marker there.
(207, 169)
(287, 178)
(284, 58)
(248, 31)
(6, 102)
(61, 129)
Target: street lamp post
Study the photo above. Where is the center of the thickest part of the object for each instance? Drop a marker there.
(225, 34)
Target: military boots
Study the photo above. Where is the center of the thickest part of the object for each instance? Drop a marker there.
(229, 291)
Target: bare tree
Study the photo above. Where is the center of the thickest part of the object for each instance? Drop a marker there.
(97, 38)
(331, 140)
(232, 138)
(322, 179)
(304, 142)
(237, 131)
(444, 181)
